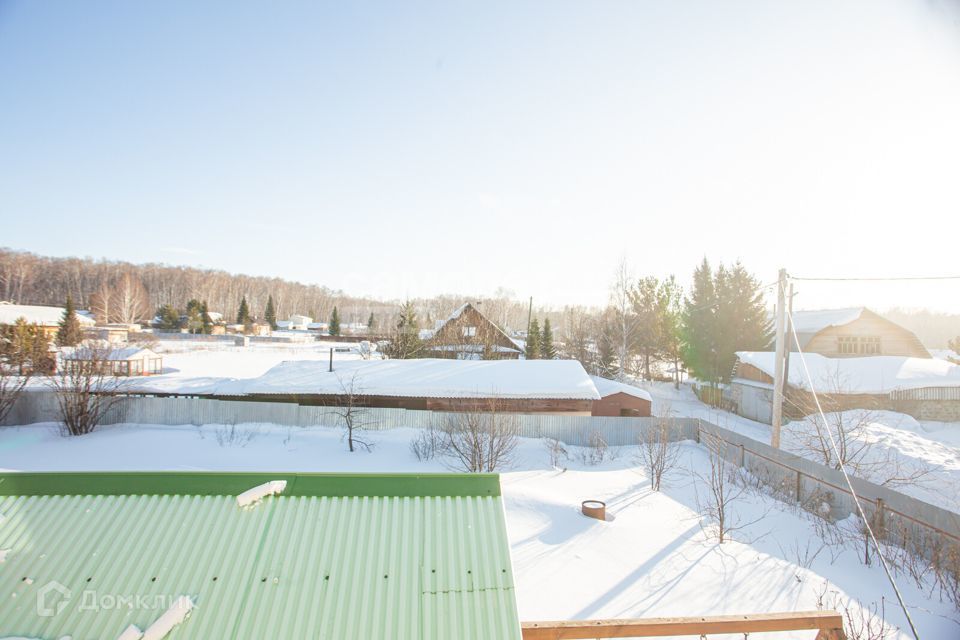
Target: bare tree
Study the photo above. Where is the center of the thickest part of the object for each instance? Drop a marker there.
(481, 438)
(658, 453)
(723, 490)
(621, 301)
(846, 439)
(85, 388)
(130, 301)
(11, 385)
(352, 410)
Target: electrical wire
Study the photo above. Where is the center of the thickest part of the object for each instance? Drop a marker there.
(846, 477)
(892, 279)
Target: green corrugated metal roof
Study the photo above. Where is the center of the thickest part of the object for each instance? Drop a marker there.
(336, 556)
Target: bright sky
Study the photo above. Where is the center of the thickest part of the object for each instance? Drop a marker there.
(413, 148)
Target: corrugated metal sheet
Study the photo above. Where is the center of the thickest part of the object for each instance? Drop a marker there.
(573, 430)
(296, 566)
(926, 393)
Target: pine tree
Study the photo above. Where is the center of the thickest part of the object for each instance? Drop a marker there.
(547, 350)
(533, 340)
(69, 334)
(371, 323)
(167, 318)
(646, 300)
(334, 329)
(270, 314)
(243, 313)
(206, 319)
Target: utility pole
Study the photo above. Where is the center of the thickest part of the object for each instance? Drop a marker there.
(331, 357)
(790, 342)
(778, 364)
(530, 313)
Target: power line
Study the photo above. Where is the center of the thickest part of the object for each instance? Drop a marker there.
(846, 477)
(891, 279)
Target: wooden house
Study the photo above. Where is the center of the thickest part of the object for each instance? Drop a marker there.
(856, 332)
(469, 335)
(46, 318)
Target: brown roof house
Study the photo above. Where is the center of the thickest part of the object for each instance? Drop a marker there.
(468, 335)
(850, 333)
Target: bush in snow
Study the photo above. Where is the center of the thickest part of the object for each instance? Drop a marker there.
(427, 444)
(85, 389)
(556, 451)
(480, 438)
(596, 450)
(657, 453)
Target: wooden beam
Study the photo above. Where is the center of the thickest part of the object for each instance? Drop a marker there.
(826, 621)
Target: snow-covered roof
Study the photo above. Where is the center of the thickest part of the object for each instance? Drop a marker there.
(427, 378)
(35, 314)
(125, 353)
(606, 387)
(870, 375)
(816, 321)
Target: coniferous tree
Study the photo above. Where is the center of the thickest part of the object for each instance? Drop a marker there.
(270, 314)
(646, 301)
(243, 313)
(371, 323)
(547, 350)
(725, 313)
(405, 342)
(193, 320)
(69, 334)
(334, 329)
(167, 318)
(206, 319)
(533, 340)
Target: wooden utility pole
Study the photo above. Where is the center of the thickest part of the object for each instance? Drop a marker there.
(778, 361)
(790, 342)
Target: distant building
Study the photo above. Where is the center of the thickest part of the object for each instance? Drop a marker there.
(526, 386)
(619, 399)
(47, 318)
(850, 333)
(468, 335)
(923, 387)
(295, 323)
(131, 361)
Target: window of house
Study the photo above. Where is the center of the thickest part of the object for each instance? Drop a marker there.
(847, 344)
(469, 332)
(869, 345)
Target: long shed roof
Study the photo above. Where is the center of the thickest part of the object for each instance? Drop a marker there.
(333, 556)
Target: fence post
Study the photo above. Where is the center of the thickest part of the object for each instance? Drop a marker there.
(799, 486)
(743, 455)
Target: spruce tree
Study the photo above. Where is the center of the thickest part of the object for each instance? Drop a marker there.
(243, 313)
(371, 322)
(533, 340)
(405, 343)
(334, 329)
(167, 318)
(193, 322)
(699, 328)
(69, 334)
(547, 350)
(206, 319)
(270, 314)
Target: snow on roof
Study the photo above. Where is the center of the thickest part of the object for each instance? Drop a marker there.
(816, 321)
(35, 314)
(606, 387)
(428, 378)
(870, 375)
(125, 353)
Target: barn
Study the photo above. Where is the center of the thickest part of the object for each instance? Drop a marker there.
(436, 384)
(620, 400)
(854, 332)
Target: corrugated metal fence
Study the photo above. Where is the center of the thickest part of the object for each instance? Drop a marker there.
(926, 393)
(41, 406)
(791, 478)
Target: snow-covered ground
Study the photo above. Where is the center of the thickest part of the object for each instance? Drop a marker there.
(654, 556)
(897, 445)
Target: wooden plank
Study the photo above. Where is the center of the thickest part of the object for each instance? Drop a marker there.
(652, 627)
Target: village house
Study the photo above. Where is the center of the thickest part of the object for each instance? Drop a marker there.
(927, 388)
(855, 332)
(47, 318)
(469, 335)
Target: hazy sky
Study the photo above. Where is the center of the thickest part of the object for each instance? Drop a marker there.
(413, 148)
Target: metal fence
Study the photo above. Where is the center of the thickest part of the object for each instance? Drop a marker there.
(813, 486)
